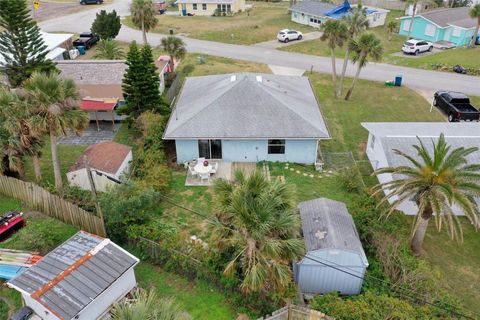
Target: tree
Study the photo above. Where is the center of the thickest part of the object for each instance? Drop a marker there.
(143, 16)
(437, 182)
(18, 138)
(108, 49)
(458, 3)
(365, 47)
(106, 25)
(356, 23)
(56, 111)
(335, 33)
(391, 28)
(475, 14)
(175, 47)
(141, 83)
(21, 43)
(146, 306)
(259, 227)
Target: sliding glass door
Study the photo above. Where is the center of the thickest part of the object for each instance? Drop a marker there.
(210, 149)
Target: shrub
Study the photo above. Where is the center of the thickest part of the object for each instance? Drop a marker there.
(127, 205)
(351, 180)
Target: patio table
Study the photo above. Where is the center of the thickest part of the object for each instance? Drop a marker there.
(201, 169)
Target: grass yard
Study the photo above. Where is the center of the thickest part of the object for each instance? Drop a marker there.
(262, 23)
(197, 297)
(67, 155)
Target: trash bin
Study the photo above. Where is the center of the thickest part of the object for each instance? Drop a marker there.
(389, 83)
(81, 49)
(398, 80)
(171, 31)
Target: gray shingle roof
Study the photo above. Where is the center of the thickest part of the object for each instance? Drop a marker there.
(71, 293)
(315, 8)
(93, 71)
(247, 106)
(450, 16)
(326, 224)
(423, 129)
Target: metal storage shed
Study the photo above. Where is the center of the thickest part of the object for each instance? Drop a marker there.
(331, 238)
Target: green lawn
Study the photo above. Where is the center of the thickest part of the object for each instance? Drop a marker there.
(197, 297)
(262, 24)
(67, 155)
(7, 204)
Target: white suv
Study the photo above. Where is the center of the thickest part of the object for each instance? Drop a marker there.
(286, 35)
(416, 46)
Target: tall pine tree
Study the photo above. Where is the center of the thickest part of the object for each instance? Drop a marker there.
(141, 83)
(21, 44)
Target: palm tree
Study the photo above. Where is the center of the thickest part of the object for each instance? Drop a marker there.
(437, 182)
(19, 138)
(475, 13)
(146, 306)
(356, 23)
(391, 27)
(56, 111)
(175, 47)
(259, 227)
(365, 47)
(108, 49)
(143, 16)
(335, 32)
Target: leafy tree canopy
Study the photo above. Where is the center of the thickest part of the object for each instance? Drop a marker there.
(106, 25)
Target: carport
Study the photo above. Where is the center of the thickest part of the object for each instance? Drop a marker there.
(93, 106)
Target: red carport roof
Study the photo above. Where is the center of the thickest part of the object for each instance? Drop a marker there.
(97, 105)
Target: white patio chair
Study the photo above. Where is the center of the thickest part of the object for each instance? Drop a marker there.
(192, 171)
(200, 160)
(214, 168)
(204, 176)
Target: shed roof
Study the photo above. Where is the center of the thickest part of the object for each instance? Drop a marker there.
(93, 71)
(74, 274)
(312, 7)
(98, 105)
(106, 156)
(326, 224)
(246, 106)
(445, 17)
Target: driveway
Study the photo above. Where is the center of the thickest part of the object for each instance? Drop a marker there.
(274, 44)
(413, 56)
(415, 78)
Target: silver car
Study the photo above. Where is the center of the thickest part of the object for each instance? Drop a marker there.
(286, 35)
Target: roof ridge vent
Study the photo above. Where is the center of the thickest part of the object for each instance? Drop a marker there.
(233, 78)
(259, 78)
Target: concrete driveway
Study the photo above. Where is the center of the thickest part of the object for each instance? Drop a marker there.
(415, 78)
(274, 44)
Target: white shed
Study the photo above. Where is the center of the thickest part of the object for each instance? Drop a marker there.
(335, 260)
(108, 162)
(81, 279)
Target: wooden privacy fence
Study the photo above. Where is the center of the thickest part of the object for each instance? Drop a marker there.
(37, 198)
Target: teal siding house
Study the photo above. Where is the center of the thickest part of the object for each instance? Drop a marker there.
(447, 25)
(247, 117)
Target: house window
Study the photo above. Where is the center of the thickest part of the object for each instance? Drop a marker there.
(204, 6)
(194, 6)
(295, 15)
(456, 32)
(406, 25)
(229, 8)
(430, 30)
(276, 146)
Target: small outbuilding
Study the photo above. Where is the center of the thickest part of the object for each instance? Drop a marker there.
(80, 279)
(335, 260)
(108, 162)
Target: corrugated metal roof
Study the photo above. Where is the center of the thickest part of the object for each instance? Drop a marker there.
(247, 106)
(66, 292)
(326, 224)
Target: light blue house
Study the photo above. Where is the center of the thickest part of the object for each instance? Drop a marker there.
(247, 118)
(451, 25)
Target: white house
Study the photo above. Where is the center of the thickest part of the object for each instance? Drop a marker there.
(81, 279)
(108, 162)
(385, 136)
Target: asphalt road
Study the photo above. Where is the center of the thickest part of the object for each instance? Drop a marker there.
(415, 78)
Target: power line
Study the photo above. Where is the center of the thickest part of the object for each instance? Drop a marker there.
(329, 264)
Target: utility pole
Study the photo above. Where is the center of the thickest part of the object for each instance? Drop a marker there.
(92, 187)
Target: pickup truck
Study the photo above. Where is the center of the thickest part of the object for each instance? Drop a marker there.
(456, 106)
(86, 39)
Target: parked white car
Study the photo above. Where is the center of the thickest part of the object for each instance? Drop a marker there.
(416, 46)
(286, 35)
